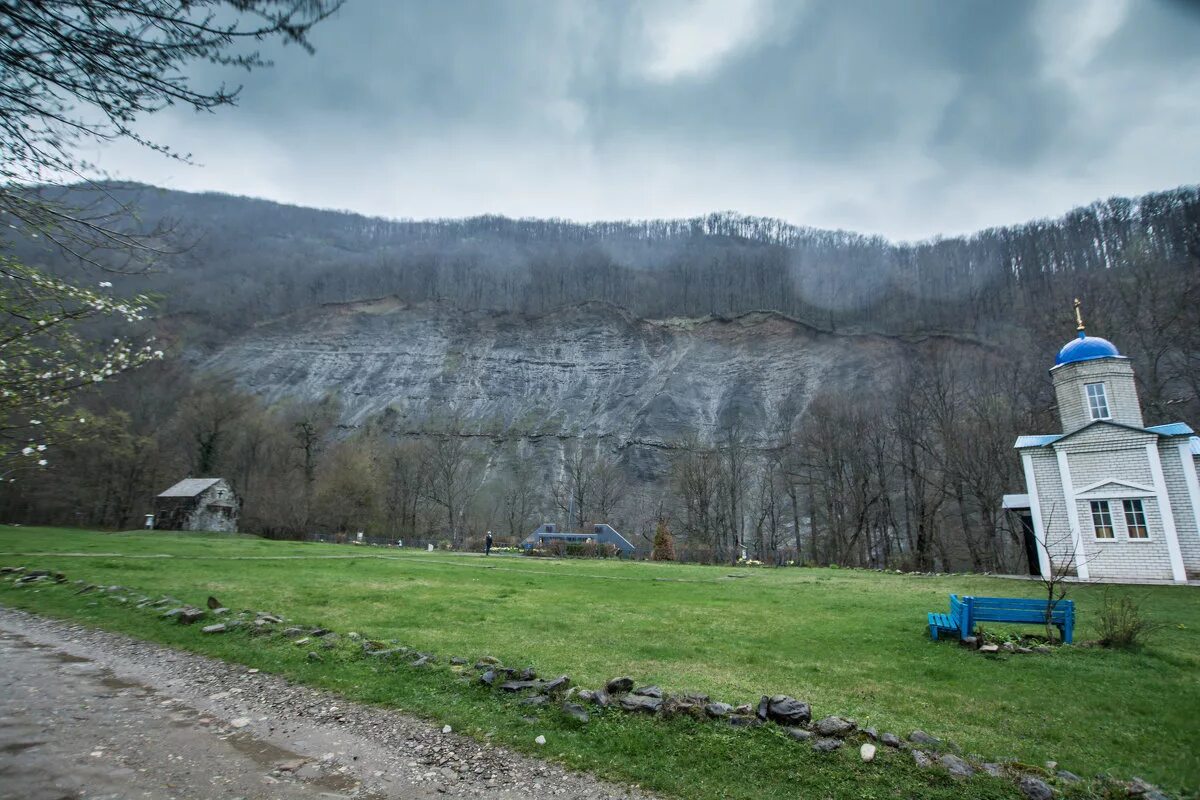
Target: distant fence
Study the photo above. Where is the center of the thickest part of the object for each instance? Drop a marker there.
(785, 556)
(374, 541)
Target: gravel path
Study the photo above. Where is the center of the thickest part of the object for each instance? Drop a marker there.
(86, 713)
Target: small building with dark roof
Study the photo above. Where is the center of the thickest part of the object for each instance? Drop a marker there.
(198, 504)
(600, 534)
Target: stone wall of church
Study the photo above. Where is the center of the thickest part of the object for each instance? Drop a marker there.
(1117, 376)
(1181, 503)
(1106, 453)
(1122, 558)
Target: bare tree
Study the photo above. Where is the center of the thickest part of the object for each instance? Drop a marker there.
(451, 475)
(521, 497)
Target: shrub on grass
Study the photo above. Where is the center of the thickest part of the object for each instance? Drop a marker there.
(1122, 623)
(664, 544)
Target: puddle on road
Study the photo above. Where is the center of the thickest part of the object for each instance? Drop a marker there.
(269, 756)
(13, 748)
(113, 682)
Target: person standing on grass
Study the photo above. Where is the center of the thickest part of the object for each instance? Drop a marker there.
(487, 544)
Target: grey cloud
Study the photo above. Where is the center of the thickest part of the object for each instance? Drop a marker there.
(546, 105)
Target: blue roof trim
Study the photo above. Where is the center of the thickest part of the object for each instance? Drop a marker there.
(1195, 443)
(1172, 429)
(1037, 441)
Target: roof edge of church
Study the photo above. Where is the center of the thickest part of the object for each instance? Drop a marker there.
(1168, 430)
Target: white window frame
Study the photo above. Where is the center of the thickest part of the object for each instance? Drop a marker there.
(1105, 509)
(1101, 398)
(1141, 509)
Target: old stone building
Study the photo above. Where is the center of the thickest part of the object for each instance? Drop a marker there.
(1109, 498)
(198, 504)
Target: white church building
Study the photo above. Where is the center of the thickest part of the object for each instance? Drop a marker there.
(1109, 498)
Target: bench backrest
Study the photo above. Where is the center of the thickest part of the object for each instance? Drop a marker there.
(1015, 609)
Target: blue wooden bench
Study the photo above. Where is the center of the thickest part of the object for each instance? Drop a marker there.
(965, 612)
(956, 623)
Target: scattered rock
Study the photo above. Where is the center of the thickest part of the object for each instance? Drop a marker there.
(718, 709)
(576, 712)
(673, 705)
(217, 612)
(557, 686)
(540, 739)
(1140, 788)
(788, 710)
(536, 701)
(302, 642)
(989, 648)
(490, 660)
(528, 674)
(921, 759)
(956, 766)
(871, 734)
(867, 752)
(1068, 776)
(314, 656)
(387, 652)
(744, 721)
(240, 722)
(890, 739)
(637, 702)
(1008, 647)
(422, 661)
(519, 686)
(649, 691)
(826, 745)
(293, 631)
(744, 708)
(834, 726)
(597, 696)
(214, 603)
(1035, 788)
(799, 734)
(619, 685)
(924, 739)
(1022, 650)
(970, 642)
(995, 770)
(220, 627)
(458, 661)
(764, 704)
(1043, 650)
(488, 678)
(447, 729)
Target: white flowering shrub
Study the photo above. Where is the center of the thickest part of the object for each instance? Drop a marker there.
(44, 360)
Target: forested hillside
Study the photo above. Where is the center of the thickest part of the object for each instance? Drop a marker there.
(241, 260)
(758, 387)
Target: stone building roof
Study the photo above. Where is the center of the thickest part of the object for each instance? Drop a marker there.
(190, 487)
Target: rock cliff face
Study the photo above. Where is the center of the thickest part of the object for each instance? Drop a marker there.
(588, 372)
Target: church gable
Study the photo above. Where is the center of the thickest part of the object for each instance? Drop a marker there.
(1112, 487)
(1106, 436)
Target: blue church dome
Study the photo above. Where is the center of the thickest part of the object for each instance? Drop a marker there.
(1086, 348)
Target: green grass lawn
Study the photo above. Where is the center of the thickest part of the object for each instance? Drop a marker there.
(849, 642)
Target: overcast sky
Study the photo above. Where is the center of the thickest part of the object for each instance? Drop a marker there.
(903, 118)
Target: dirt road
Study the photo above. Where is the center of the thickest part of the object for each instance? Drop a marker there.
(88, 714)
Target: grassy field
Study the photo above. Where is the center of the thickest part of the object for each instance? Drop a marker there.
(850, 642)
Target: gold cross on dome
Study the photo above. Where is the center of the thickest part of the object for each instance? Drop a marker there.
(1078, 315)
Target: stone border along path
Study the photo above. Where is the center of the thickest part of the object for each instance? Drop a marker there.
(823, 736)
(301, 735)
